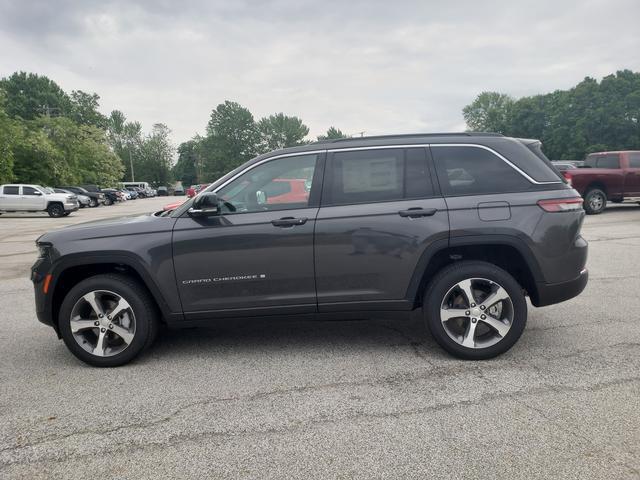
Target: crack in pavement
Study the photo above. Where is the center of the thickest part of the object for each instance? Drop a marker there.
(177, 439)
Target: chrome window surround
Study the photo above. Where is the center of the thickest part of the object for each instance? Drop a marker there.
(385, 147)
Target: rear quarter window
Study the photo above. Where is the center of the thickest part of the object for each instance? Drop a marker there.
(468, 170)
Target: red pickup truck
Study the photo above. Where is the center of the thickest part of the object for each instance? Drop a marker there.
(606, 176)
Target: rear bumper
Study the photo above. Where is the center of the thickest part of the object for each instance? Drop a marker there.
(550, 293)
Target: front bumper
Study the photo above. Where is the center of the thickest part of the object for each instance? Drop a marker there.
(550, 293)
(39, 272)
(71, 206)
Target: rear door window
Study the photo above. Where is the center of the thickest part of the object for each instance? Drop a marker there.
(377, 175)
(469, 170)
(11, 190)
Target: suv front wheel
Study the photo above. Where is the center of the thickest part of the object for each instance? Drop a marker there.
(475, 310)
(107, 320)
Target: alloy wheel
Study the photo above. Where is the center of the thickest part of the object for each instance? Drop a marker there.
(477, 313)
(103, 323)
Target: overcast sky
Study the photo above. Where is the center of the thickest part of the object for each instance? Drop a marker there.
(372, 66)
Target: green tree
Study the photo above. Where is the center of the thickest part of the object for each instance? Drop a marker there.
(232, 139)
(156, 156)
(188, 168)
(9, 131)
(281, 131)
(84, 109)
(333, 133)
(29, 95)
(489, 112)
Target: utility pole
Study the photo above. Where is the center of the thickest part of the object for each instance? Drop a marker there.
(133, 178)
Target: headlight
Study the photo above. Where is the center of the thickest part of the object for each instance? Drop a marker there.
(43, 249)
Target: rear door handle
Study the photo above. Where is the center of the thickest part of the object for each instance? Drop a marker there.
(289, 222)
(417, 212)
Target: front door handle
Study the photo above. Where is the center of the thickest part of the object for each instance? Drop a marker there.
(417, 212)
(289, 222)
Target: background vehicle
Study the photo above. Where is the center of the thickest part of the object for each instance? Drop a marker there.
(112, 195)
(96, 198)
(459, 226)
(83, 200)
(178, 190)
(163, 191)
(606, 176)
(143, 185)
(562, 166)
(35, 198)
(133, 192)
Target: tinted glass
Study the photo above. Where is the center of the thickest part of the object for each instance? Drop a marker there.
(634, 160)
(280, 184)
(475, 171)
(377, 176)
(11, 190)
(29, 191)
(608, 161)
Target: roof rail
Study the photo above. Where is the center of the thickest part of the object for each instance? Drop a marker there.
(414, 135)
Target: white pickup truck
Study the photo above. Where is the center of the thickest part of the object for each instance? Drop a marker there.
(34, 198)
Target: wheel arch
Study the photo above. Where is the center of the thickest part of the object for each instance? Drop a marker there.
(67, 274)
(507, 252)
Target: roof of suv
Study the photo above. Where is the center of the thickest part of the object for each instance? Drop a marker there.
(521, 152)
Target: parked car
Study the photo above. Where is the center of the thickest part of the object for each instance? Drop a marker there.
(113, 195)
(133, 192)
(126, 193)
(96, 198)
(606, 176)
(178, 191)
(562, 166)
(35, 198)
(395, 229)
(163, 191)
(83, 200)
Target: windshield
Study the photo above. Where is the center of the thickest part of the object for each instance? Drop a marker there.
(48, 190)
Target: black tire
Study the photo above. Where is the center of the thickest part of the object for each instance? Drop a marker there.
(66, 214)
(451, 275)
(55, 210)
(142, 305)
(595, 201)
(108, 201)
(93, 202)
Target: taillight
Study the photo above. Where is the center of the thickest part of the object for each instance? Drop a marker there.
(567, 177)
(561, 204)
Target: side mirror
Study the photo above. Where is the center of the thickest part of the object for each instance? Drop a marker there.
(38, 193)
(205, 205)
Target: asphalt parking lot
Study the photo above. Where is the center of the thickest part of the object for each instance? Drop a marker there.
(357, 399)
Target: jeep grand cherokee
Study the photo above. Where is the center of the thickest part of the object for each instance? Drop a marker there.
(458, 226)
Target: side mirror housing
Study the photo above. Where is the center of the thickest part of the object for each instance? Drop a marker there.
(205, 205)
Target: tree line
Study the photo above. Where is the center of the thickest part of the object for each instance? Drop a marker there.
(51, 137)
(590, 117)
(233, 136)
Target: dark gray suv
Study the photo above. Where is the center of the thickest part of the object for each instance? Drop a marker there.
(462, 226)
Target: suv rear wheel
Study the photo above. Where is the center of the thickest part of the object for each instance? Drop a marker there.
(475, 310)
(107, 320)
